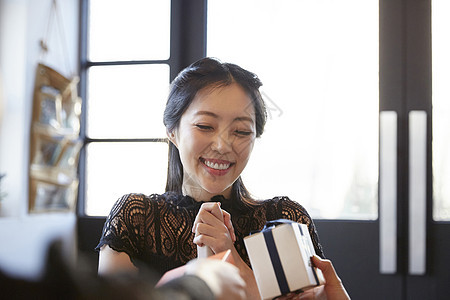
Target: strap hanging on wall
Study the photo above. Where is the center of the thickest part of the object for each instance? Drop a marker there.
(55, 17)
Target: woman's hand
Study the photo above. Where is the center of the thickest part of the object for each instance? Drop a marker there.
(213, 228)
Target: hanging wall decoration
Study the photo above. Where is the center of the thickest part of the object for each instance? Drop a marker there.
(54, 140)
(54, 143)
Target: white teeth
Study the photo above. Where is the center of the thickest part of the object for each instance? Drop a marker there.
(216, 165)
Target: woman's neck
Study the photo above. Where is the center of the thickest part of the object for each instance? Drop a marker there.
(201, 195)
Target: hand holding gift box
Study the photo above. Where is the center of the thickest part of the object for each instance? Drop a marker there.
(280, 256)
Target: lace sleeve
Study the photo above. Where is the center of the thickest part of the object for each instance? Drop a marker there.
(124, 228)
(292, 210)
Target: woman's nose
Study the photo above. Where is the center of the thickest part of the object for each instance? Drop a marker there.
(222, 143)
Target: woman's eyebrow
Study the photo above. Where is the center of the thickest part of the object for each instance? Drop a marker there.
(211, 114)
(247, 119)
(208, 113)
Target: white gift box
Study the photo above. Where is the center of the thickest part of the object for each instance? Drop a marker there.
(280, 256)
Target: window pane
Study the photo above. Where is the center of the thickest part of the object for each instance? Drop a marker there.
(441, 109)
(115, 169)
(320, 75)
(127, 101)
(129, 30)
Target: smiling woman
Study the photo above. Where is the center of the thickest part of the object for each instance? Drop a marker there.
(216, 137)
(213, 115)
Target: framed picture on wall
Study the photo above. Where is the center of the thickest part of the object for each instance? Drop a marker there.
(54, 142)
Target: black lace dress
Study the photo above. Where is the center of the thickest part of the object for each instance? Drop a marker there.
(156, 230)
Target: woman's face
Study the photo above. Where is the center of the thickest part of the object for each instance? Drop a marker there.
(215, 137)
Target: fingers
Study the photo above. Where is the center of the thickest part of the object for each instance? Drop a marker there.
(216, 211)
(216, 237)
(206, 216)
(334, 289)
(291, 296)
(213, 228)
(208, 207)
(227, 222)
(327, 269)
(202, 240)
(213, 209)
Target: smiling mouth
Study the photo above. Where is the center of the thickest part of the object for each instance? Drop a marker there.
(216, 164)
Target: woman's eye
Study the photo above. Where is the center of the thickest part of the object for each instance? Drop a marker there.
(203, 127)
(243, 132)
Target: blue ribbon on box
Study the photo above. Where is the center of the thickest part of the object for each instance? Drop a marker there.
(276, 262)
(273, 253)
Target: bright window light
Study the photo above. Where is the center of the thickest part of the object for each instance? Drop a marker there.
(318, 61)
(441, 109)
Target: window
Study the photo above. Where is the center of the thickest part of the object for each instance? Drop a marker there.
(320, 80)
(441, 110)
(127, 74)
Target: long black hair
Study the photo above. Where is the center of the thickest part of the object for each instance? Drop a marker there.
(207, 72)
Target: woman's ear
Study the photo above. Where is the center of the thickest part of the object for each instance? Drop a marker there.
(172, 137)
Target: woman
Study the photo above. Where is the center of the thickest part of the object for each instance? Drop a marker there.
(213, 115)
